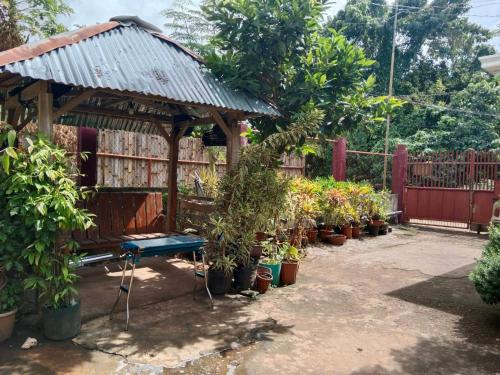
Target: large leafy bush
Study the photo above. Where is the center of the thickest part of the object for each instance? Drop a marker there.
(486, 274)
(38, 208)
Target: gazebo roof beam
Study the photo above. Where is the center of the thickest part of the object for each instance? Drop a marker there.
(122, 114)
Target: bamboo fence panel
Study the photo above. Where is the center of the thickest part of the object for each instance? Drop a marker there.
(127, 159)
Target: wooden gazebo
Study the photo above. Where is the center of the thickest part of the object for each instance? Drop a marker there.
(122, 75)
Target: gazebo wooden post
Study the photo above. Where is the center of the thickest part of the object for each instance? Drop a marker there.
(233, 144)
(45, 110)
(173, 143)
(232, 131)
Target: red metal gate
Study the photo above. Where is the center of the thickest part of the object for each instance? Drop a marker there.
(450, 188)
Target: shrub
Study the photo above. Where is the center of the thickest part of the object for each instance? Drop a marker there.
(486, 273)
(10, 296)
(38, 208)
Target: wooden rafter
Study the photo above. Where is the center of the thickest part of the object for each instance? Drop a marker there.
(73, 102)
(122, 114)
(219, 120)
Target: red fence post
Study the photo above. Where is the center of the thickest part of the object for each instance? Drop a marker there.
(399, 165)
(339, 159)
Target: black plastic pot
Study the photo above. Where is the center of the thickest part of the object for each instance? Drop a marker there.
(383, 229)
(63, 323)
(373, 229)
(244, 276)
(218, 281)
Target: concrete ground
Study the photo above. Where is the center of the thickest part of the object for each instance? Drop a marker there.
(395, 304)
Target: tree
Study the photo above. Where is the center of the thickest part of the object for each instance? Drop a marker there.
(435, 41)
(187, 24)
(24, 19)
(279, 51)
(452, 104)
(471, 120)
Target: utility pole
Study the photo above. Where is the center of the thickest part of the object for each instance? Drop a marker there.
(391, 79)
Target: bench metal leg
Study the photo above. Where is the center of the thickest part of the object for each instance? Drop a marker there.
(205, 277)
(120, 289)
(128, 294)
(124, 289)
(195, 275)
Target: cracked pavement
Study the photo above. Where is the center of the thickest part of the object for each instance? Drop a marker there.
(395, 304)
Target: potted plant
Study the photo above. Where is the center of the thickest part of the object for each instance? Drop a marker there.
(272, 260)
(303, 208)
(10, 297)
(359, 199)
(263, 281)
(252, 196)
(222, 260)
(378, 209)
(289, 265)
(220, 273)
(40, 194)
(61, 309)
(335, 214)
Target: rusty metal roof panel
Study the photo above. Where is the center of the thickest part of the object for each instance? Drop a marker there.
(132, 59)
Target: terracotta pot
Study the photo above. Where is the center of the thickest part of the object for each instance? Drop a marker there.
(263, 281)
(312, 235)
(374, 227)
(275, 271)
(294, 240)
(324, 233)
(260, 236)
(347, 231)
(356, 232)
(377, 223)
(7, 322)
(289, 271)
(261, 270)
(256, 251)
(337, 239)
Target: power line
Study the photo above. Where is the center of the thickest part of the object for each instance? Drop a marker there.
(429, 7)
(449, 109)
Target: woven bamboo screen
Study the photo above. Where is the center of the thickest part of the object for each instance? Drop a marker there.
(127, 159)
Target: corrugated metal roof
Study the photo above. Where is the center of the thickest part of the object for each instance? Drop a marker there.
(131, 59)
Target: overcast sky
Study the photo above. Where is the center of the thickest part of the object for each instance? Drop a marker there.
(89, 12)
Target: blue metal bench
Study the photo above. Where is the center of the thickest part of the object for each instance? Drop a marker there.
(134, 251)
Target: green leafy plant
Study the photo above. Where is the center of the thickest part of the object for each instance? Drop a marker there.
(290, 253)
(273, 253)
(7, 150)
(38, 209)
(486, 273)
(10, 296)
(253, 194)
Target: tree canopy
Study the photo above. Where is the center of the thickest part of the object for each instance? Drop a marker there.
(281, 51)
(21, 20)
(452, 104)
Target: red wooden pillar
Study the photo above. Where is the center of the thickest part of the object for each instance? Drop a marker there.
(399, 165)
(87, 142)
(173, 159)
(339, 159)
